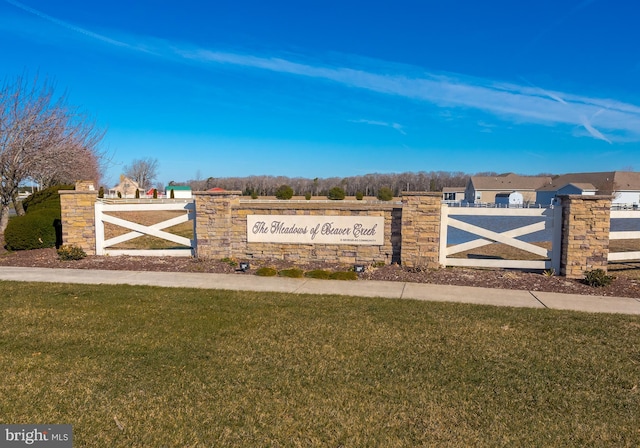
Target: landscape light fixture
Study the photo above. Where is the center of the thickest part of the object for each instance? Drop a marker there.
(244, 266)
(358, 268)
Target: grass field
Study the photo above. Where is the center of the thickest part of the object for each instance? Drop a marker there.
(149, 367)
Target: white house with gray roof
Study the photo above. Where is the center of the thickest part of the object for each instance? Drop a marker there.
(624, 186)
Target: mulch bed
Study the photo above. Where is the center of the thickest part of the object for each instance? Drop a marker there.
(622, 286)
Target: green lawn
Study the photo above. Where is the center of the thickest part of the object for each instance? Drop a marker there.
(150, 367)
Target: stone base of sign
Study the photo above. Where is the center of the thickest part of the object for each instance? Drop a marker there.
(221, 228)
(411, 229)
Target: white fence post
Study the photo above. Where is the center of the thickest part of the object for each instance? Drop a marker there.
(444, 224)
(99, 209)
(556, 240)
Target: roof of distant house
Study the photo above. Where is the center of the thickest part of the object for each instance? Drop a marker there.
(509, 181)
(605, 182)
(584, 186)
(216, 189)
(178, 187)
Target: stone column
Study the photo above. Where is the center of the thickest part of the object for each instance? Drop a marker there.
(585, 234)
(214, 223)
(421, 213)
(78, 216)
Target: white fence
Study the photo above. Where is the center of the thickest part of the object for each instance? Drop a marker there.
(102, 210)
(547, 220)
(624, 235)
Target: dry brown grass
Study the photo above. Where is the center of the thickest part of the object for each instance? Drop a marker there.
(502, 252)
(149, 367)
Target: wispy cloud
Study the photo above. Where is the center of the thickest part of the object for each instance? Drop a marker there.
(67, 25)
(586, 122)
(510, 102)
(77, 29)
(593, 131)
(486, 127)
(396, 126)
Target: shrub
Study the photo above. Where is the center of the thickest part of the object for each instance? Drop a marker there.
(35, 230)
(101, 192)
(172, 195)
(336, 194)
(254, 195)
(266, 272)
(70, 253)
(292, 273)
(119, 195)
(385, 194)
(359, 195)
(318, 273)
(597, 278)
(307, 196)
(155, 193)
(40, 227)
(284, 192)
(343, 275)
(47, 198)
(137, 193)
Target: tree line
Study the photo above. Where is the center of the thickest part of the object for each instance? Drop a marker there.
(368, 184)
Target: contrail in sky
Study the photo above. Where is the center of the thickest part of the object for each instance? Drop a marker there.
(71, 27)
(510, 102)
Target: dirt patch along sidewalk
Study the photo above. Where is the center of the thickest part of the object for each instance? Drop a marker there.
(626, 283)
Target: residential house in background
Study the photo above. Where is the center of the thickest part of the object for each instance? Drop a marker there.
(623, 185)
(452, 195)
(127, 188)
(484, 189)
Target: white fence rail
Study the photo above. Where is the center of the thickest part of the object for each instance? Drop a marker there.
(624, 235)
(102, 216)
(546, 219)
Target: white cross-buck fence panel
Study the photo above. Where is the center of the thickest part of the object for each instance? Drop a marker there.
(546, 219)
(624, 235)
(102, 216)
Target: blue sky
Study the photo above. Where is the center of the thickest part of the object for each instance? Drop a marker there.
(342, 88)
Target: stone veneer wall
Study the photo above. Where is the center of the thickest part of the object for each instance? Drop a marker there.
(421, 213)
(78, 216)
(412, 230)
(585, 234)
(221, 228)
(213, 223)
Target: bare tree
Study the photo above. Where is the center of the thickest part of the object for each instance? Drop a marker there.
(55, 166)
(143, 171)
(41, 136)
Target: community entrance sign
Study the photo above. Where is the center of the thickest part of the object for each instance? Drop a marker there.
(294, 229)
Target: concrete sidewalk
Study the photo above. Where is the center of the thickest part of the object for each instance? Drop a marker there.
(392, 290)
